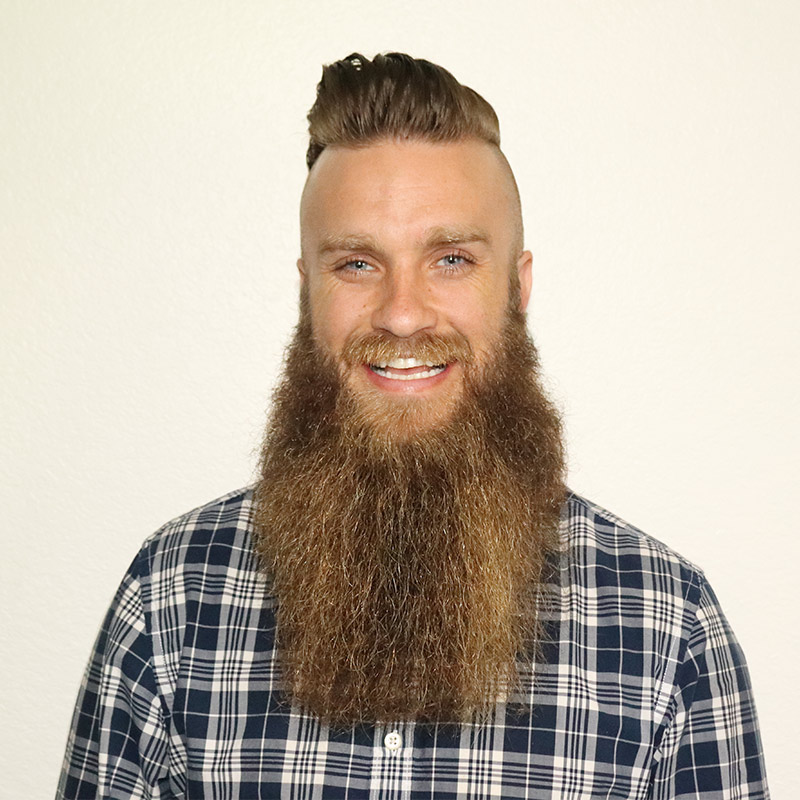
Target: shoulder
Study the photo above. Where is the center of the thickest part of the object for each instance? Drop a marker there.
(606, 554)
(639, 603)
(197, 574)
(212, 539)
(596, 534)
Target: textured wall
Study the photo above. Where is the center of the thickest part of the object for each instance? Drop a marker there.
(151, 163)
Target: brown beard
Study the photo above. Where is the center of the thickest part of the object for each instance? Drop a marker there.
(408, 569)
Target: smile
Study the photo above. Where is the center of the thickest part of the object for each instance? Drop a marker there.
(407, 369)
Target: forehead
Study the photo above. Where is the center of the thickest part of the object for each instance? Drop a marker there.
(395, 188)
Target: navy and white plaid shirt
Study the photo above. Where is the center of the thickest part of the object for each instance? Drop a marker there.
(642, 691)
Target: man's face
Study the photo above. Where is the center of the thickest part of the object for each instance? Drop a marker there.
(407, 251)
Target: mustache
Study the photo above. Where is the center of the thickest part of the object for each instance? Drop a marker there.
(431, 348)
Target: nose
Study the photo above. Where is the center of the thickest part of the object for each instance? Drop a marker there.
(404, 306)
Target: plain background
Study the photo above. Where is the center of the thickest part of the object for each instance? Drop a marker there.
(152, 162)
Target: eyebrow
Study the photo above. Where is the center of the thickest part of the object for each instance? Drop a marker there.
(349, 243)
(456, 235)
(435, 237)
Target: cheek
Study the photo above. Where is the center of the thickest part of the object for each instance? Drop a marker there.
(334, 319)
(479, 319)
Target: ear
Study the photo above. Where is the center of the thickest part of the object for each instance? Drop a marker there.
(524, 271)
(302, 270)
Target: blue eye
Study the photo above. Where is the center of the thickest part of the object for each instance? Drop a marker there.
(453, 262)
(357, 265)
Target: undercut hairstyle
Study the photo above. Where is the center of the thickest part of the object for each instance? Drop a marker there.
(394, 95)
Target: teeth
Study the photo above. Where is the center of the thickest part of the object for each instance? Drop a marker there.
(403, 363)
(429, 373)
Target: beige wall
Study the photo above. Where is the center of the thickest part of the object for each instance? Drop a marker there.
(151, 163)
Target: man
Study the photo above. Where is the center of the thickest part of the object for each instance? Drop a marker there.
(409, 602)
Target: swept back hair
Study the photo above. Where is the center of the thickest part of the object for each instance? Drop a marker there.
(394, 95)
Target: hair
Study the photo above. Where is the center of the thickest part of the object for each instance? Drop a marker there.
(394, 95)
(411, 554)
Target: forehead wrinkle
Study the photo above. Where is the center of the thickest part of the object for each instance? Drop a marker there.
(434, 237)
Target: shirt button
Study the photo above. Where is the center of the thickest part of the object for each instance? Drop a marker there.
(393, 740)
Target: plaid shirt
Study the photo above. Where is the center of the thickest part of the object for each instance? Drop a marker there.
(642, 690)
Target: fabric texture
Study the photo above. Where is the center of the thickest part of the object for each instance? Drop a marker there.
(641, 690)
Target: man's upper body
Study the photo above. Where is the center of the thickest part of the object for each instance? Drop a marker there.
(409, 602)
(641, 690)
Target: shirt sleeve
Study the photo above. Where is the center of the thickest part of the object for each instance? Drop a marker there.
(711, 747)
(117, 746)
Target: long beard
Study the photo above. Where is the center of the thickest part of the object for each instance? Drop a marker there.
(408, 568)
